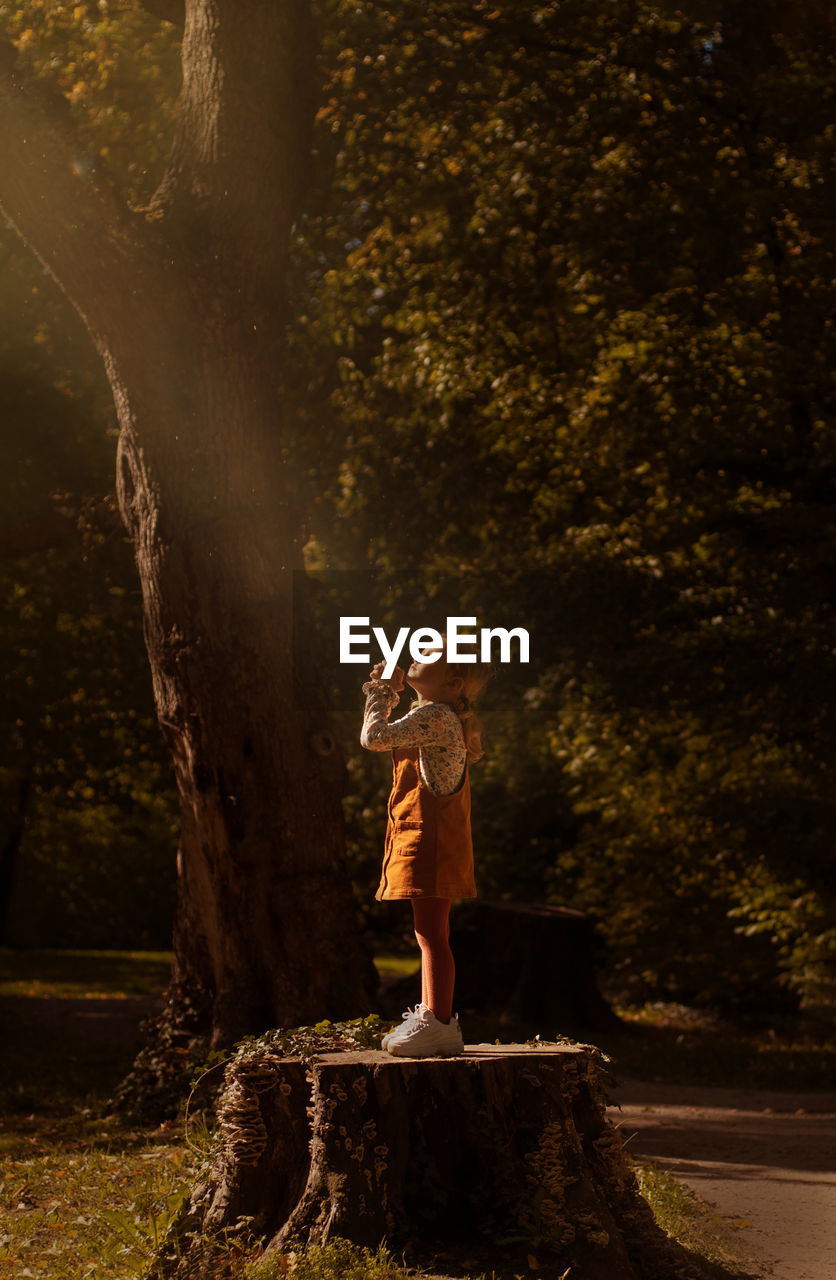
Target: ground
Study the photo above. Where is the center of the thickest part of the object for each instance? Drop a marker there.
(73, 1023)
(765, 1159)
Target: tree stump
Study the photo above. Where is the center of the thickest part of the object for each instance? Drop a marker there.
(500, 1154)
(528, 965)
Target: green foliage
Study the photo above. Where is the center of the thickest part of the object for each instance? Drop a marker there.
(686, 1045)
(82, 764)
(118, 68)
(576, 363)
(307, 1042)
(83, 770)
(561, 353)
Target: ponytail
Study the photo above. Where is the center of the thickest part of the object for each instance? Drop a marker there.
(474, 677)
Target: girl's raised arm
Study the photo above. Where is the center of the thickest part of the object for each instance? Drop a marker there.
(425, 726)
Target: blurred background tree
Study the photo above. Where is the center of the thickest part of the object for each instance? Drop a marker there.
(561, 356)
(179, 271)
(581, 353)
(89, 815)
(89, 827)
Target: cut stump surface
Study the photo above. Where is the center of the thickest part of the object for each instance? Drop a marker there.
(506, 1148)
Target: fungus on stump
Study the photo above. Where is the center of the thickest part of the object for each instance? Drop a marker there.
(506, 1148)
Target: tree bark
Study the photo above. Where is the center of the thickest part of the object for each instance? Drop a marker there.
(10, 849)
(185, 301)
(498, 1156)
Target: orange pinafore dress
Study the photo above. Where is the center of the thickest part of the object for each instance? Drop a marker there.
(429, 848)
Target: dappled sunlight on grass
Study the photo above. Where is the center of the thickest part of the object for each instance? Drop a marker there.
(673, 1042)
(72, 1023)
(83, 1197)
(90, 975)
(399, 964)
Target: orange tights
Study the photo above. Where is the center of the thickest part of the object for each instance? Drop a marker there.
(438, 971)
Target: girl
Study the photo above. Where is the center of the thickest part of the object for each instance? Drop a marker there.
(429, 853)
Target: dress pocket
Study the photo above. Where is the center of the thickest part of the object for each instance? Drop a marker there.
(408, 839)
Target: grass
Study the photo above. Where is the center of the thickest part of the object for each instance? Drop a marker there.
(685, 1216)
(678, 1045)
(72, 1023)
(338, 1260)
(86, 1197)
(85, 975)
(391, 964)
(96, 1203)
(83, 1197)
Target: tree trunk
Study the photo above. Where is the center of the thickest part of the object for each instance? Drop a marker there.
(186, 303)
(495, 1158)
(10, 849)
(265, 920)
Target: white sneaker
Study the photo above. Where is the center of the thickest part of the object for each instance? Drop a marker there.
(425, 1037)
(409, 1016)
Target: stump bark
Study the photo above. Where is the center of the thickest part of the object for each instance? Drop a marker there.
(503, 1153)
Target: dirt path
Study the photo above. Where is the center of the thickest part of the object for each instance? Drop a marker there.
(765, 1158)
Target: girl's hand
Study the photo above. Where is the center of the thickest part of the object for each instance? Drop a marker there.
(395, 680)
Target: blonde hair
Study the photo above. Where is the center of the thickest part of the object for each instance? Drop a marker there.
(474, 676)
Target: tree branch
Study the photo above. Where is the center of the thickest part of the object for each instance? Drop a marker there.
(60, 200)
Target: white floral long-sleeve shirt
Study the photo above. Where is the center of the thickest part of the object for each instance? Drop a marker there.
(432, 727)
